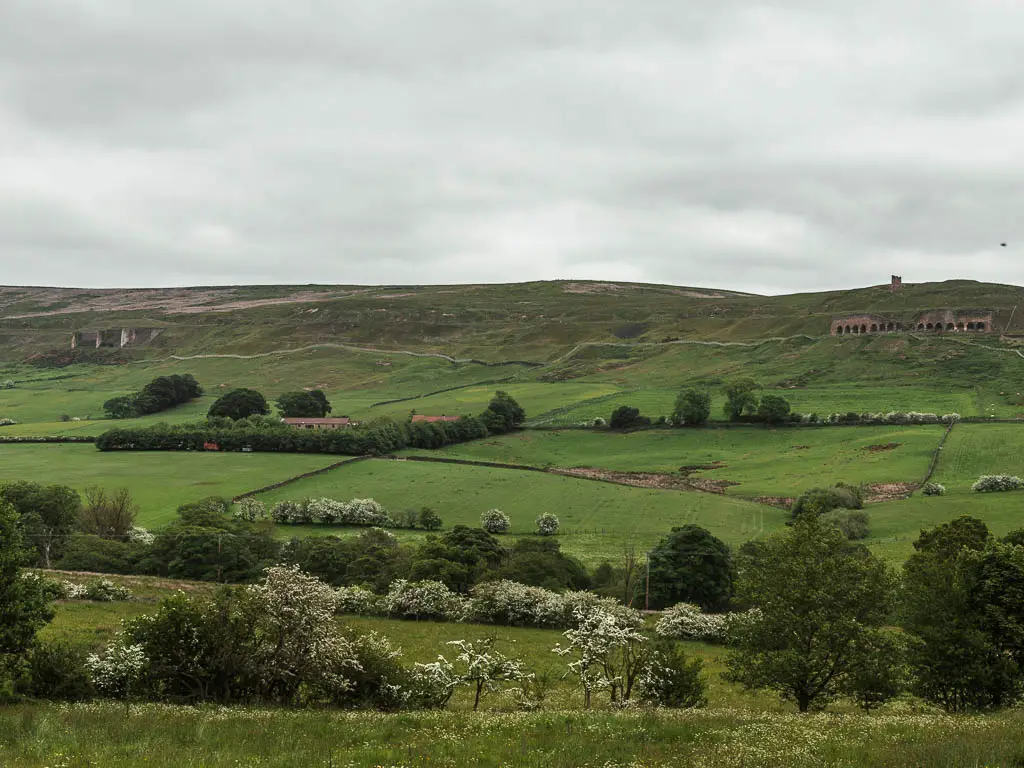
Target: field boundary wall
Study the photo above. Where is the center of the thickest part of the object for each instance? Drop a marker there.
(296, 478)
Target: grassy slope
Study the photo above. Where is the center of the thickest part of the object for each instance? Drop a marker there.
(598, 519)
(782, 462)
(159, 482)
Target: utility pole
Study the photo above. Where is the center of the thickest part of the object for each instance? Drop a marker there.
(647, 590)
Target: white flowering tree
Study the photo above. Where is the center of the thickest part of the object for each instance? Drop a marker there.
(685, 621)
(140, 535)
(485, 669)
(609, 653)
(495, 521)
(249, 510)
(118, 671)
(423, 600)
(296, 638)
(547, 524)
(436, 682)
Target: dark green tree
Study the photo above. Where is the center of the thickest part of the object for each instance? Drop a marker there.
(962, 615)
(302, 404)
(741, 399)
(24, 602)
(541, 563)
(690, 565)
(505, 405)
(626, 417)
(693, 408)
(820, 599)
(122, 407)
(429, 520)
(48, 515)
(240, 404)
(773, 409)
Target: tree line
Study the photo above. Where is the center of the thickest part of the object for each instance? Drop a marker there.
(161, 394)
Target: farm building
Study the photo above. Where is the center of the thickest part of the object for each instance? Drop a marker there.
(320, 423)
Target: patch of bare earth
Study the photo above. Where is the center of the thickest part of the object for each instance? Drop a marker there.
(879, 492)
(782, 502)
(882, 448)
(660, 480)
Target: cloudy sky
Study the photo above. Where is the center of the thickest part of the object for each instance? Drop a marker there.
(768, 146)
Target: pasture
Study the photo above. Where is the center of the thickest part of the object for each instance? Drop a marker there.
(159, 482)
(761, 462)
(598, 520)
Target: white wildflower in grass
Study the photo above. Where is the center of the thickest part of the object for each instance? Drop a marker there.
(495, 521)
(547, 524)
(118, 671)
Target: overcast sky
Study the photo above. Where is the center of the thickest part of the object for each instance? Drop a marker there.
(768, 146)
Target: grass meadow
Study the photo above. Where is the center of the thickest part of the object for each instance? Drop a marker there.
(737, 727)
(159, 482)
(598, 520)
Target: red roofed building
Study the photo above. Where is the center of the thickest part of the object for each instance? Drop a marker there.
(317, 423)
(419, 417)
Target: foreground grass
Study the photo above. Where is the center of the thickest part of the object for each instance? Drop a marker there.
(109, 735)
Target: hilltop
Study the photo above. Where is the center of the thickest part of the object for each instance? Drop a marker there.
(536, 322)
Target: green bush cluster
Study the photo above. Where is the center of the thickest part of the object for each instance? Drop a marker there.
(160, 394)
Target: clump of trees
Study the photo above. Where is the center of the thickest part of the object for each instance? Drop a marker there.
(627, 417)
(161, 394)
(239, 404)
(303, 404)
(503, 414)
(691, 565)
(692, 409)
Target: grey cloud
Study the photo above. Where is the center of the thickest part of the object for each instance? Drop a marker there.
(772, 146)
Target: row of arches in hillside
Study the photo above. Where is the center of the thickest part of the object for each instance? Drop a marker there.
(843, 330)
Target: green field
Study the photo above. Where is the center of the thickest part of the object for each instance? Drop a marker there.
(159, 482)
(598, 519)
(763, 462)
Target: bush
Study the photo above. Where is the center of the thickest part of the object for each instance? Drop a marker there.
(7, 422)
(997, 483)
(625, 417)
(429, 520)
(547, 524)
(423, 600)
(56, 671)
(672, 679)
(106, 591)
(933, 489)
(599, 422)
(362, 512)
(249, 510)
(495, 521)
(853, 523)
(686, 621)
(358, 600)
(821, 500)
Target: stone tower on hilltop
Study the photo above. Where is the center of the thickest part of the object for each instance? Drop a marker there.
(896, 284)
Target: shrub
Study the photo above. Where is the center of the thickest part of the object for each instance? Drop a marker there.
(933, 489)
(7, 422)
(289, 512)
(599, 422)
(685, 621)
(140, 535)
(106, 591)
(821, 500)
(117, 673)
(249, 510)
(997, 483)
(853, 523)
(672, 679)
(56, 671)
(547, 524)
(9, 384)
(324, 511)
(423, 600)
(625, 417)
(357, 600)
(429, 520)
(495, 521)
